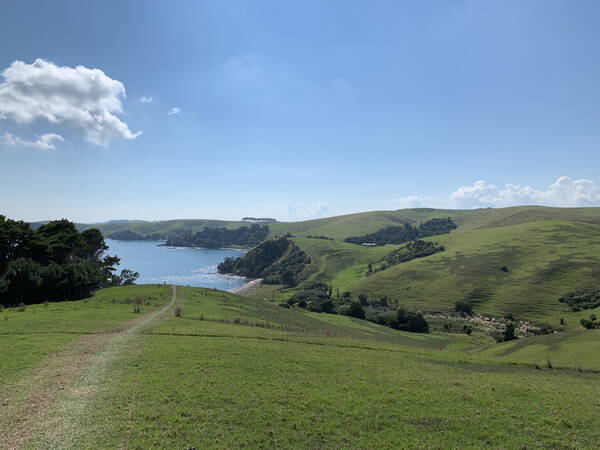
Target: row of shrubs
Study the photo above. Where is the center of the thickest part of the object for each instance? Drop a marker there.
(412, 250)
(405, 233)
(317, 297)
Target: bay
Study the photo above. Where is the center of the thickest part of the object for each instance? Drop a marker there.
(175, 265)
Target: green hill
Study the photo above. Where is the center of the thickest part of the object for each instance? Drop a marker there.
(509, 261)
(162, 228)
(506, 262)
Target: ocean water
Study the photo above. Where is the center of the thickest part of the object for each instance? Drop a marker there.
(175, 265)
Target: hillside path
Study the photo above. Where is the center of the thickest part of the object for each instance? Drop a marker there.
(48, 402)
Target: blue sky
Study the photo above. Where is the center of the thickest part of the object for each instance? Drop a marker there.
(295, 109)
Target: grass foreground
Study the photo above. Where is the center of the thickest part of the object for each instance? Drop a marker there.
(203, 368)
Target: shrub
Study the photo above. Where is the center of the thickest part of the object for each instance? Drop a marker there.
(504, 269)
(409, 321)
(284, 305)
(467, 329)
(589, 324)
(463, 307)
(509, 332)
(582, 299)
(362, 298)
(178, 312)
(356, 310)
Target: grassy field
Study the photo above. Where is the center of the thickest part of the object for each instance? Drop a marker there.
(238, 372)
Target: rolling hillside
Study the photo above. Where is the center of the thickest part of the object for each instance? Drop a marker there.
(212, 369)
(546, 253)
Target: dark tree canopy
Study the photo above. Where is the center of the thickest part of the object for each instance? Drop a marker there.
(221, 237)
(404, 233)
(278, 261)
(53, 262)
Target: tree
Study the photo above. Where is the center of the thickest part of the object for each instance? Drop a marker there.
(128, 277)
(20, 281)
(509, 332)
(53, 262)
(356, 310)
(94, 244)
(463, 307)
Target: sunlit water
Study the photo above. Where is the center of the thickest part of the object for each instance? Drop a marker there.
(183, 266)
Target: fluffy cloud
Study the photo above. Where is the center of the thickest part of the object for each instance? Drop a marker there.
(80, 98)
(564, 192)
(44, 142)
(146, 99)
(173, 111)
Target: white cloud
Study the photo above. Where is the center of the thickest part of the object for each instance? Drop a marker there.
(564, 192)
(173, 111)
(43, 142)
(146, 99)
(292, 211)
(81, 98)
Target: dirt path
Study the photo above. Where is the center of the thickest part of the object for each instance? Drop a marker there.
(48, 403)
(287, 252)
(250, 286)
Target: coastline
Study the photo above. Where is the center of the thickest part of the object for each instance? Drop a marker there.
(248, 287)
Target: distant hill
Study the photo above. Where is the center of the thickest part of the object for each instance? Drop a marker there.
(544, 252)
(160, 230)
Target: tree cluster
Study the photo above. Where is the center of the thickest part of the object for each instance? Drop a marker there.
(53, 262)
(211, 237)
(318, 297)
(590, 323)
(267, 261)
(404, 233)
(412, 250)
(582, 299)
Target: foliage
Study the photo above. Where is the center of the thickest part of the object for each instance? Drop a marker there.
(509, 332)
(590, 323)
(582, 299)
(278, 261)
(412, 250)
(317, 297)
(126, 235)
(409, 321)
(404, 233)
(463, 307)
(53, 262)
(221, 237)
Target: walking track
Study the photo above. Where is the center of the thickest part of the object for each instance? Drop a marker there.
(46, 406)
